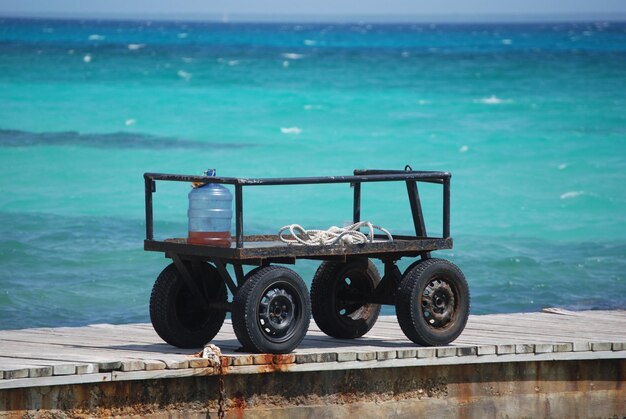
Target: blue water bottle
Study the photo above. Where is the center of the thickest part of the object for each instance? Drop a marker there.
(210, 214)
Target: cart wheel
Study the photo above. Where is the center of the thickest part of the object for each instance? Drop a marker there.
(179, 318)
(271, 310)
(432, 302)
(338, 294)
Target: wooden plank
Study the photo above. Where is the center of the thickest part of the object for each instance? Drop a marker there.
(451, 360)
(13, 368)
(55, 380)
(152, 375)
(41, 366)
(130, 359)
(135, 351)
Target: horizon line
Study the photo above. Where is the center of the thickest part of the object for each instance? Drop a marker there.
(347, 19)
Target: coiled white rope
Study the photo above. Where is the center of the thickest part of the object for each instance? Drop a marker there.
(344, 235)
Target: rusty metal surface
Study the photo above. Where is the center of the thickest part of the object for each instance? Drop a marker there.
(269, 247)
(564, 389)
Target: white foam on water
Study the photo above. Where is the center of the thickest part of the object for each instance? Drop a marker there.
(96, 37)
(233, 63)
(422, 102)
(130, 122)
(310, 42)
(285, 63)
(507, 42)
(184, 75)
(572, 194)
(492, 100)
(135, 47)
(187, 60)
(562, 166)
(182, 35)
(291, 130)
(405, 54)
(463, 149)
(292, 56)
(87, 58)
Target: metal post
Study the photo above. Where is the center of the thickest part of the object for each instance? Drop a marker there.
(446, 207)
(150, 188)
(356, 211)
(416, 208)
(239, 215)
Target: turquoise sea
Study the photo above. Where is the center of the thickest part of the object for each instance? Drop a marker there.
(529, 118)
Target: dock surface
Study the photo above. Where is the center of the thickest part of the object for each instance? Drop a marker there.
(104, 352)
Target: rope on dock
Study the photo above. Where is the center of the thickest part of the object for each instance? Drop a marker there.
(343, 235)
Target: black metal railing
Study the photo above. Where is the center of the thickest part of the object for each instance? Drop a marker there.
(411, 178)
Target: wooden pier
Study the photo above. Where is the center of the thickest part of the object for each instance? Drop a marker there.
(518, 364)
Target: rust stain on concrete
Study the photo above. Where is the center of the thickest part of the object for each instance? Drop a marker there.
(562, 389)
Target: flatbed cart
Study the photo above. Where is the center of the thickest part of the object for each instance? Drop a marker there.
(271, 307)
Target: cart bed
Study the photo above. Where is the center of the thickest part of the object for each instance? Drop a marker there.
(259, 248)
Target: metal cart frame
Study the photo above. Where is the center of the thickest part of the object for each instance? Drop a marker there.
(265, 250)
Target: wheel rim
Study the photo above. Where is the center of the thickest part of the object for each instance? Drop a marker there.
(438, 303)
(279, 312)
(350, 291)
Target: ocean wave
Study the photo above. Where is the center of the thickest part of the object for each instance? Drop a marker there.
(292, 56)
(96, 37)
(492, 100)
(184, 75)
(120, 140)
(291, 130)
(231, 63)
(572, 194)
(135, 47)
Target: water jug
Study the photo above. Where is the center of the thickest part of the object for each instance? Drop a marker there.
(210, 214)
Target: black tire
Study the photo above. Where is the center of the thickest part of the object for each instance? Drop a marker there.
(432, 302)
(179, 318)
(271, 311)
(338, 292)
